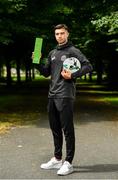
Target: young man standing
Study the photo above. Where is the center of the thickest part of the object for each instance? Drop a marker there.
(61, 96)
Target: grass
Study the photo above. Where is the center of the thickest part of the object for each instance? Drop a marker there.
(22, 105)
(9, 120)
(112, 100)
(5, 126)
(25, 105)
(21, 109)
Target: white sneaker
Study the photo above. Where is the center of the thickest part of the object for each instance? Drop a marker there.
(65, 169)
(52, 164)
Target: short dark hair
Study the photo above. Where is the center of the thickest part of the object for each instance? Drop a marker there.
(60, 26)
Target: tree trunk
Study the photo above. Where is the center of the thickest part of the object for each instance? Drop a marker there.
(0, 72)
(18, 71)
(90, 76)
(113, 73)
(9, 80)
(99, 70)
(33, 73)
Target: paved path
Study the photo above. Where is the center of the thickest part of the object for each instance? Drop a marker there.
(23, 149)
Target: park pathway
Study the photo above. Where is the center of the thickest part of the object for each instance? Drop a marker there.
(24, 148)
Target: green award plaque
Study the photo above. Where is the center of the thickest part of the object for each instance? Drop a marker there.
(37, 50)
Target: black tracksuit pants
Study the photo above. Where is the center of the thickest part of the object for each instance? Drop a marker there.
(61, 120)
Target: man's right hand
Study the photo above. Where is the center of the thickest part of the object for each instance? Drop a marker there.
(66, 74)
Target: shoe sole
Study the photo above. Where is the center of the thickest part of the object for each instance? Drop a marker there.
(50, 167)
(70, 172)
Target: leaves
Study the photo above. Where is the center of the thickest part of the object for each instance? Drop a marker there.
(107, 24)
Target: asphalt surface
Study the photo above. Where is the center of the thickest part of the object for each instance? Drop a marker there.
(24, 148)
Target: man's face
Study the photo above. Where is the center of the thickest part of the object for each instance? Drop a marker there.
(61, 35)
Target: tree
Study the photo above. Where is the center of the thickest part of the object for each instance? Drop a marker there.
(107, 26)
(92, 25)
(9, 10)
(95, 31)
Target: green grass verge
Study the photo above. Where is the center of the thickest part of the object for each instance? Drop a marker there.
(25, 105)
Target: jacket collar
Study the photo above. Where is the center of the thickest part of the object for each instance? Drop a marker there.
(68, 44)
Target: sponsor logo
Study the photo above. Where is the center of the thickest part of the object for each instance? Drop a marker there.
(63, 58)
(53, 58)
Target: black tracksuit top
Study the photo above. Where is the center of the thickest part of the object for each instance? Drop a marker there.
(59, 87)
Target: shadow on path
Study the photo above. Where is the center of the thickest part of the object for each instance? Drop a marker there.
(98, 168)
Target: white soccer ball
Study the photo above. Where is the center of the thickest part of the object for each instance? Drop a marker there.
(72, 64)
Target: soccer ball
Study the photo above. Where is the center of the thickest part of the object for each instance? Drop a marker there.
(72, 64)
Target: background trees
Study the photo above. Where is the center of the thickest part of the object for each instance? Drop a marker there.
(93, 26)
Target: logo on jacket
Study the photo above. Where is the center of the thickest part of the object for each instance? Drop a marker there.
(63, 58)
(53, 58)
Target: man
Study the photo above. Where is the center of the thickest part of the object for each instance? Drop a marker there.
(61, 96)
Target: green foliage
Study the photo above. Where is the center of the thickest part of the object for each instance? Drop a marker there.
(9, 10)
(92, 24)
(112, 100)
(17, 5)
(107, 24)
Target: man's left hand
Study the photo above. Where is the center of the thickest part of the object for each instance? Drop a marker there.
(66, 74)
